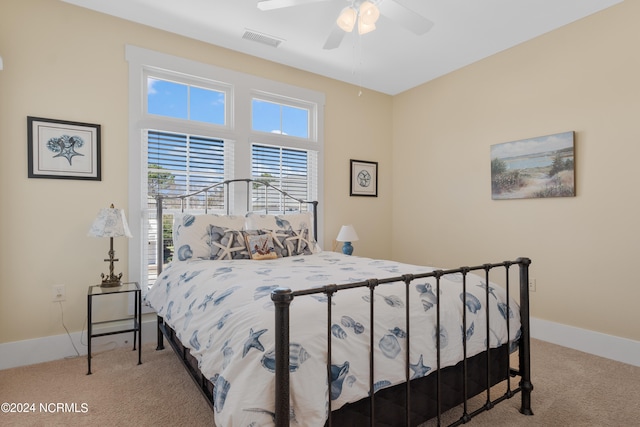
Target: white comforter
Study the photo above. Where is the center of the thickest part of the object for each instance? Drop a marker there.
(222, 311)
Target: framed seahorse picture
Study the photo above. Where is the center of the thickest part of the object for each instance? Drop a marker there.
(63, 149)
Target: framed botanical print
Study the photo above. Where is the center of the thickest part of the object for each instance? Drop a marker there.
(364, 178)
(62, 149)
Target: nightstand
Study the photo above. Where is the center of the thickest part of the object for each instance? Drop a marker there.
(115, 326)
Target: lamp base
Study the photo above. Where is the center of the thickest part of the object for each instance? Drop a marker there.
(111, 281)
(347, 249)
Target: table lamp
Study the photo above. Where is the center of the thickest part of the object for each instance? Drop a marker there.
(347, 235)
(110, 223)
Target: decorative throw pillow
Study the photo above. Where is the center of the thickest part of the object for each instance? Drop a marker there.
(227, 244)
(290, 242)
(294, 221)
(261, 246)
(279, 238)
(298, 242)
(190, 238)
(191, 233)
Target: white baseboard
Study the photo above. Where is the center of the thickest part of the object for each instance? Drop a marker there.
(38, 350)
(596, 343)
(56, 347)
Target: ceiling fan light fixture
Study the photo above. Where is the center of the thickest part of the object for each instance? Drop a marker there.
(369, 13)
(347, 19)
(365, 28)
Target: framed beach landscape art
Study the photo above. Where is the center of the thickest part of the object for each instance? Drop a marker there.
(534, 168)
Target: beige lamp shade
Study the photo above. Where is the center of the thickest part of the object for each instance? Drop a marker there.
(110, 222)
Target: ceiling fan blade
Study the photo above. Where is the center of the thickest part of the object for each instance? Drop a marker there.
(281, 4)
(405, 16)
(334, 39)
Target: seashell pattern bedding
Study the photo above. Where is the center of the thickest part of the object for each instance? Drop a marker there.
(222, 311)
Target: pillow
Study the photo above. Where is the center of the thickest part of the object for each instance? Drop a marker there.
(278, 237)
(295, 221)
(191, 233)
(299, 242)
(290, 242)
(260, 246)
(227, 244)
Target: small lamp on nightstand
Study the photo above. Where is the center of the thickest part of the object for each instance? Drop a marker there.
(347, 235)
(110, 223)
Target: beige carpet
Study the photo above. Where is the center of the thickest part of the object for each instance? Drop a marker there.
(570, 389)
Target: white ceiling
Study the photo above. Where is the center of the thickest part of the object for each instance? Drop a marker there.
(390, 59)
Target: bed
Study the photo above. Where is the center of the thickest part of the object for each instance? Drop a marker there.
(276, 331)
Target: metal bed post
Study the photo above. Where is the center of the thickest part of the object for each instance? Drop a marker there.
(525, 344)
(282, 300)
(438, 274)
(159, 263)
(315, 219)
(465, 366)
(331, 289)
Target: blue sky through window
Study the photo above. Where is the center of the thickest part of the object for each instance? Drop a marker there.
(274, 117)
(182, 101)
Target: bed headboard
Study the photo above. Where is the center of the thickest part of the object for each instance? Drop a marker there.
(222, 190)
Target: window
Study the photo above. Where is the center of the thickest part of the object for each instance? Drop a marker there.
(285, 168)
(184, 101)
(192, 125)
(178, 163)
(273, 117)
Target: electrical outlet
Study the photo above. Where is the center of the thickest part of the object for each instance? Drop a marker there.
(532, 285)
(58, 293)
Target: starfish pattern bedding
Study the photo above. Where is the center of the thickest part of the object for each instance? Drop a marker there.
(222, 311)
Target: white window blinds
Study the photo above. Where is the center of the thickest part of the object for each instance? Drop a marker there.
(179, 163)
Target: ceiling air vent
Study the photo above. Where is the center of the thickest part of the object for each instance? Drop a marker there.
(261, 38)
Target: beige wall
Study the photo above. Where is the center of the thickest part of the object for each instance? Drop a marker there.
(67, 63)
(584, 77)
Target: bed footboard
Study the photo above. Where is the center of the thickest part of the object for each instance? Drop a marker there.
(282, 299)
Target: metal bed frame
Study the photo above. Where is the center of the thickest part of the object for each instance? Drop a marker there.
(493, 362)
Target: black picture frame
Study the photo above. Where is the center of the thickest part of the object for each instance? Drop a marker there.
(63, 149)
(364, 178)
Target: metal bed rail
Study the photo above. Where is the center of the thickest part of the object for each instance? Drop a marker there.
(283, 298)
(226, 186)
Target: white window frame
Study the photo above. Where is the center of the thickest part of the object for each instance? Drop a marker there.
(312, 130)
(240, 89)
(225, 88)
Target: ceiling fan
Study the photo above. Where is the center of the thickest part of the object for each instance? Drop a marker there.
(361, 14)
